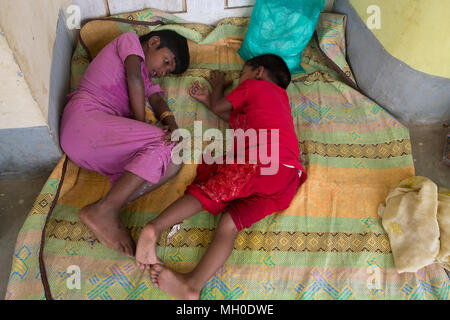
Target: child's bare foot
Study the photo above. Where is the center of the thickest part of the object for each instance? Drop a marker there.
(108, 228)
(173, 283)
(146, 248)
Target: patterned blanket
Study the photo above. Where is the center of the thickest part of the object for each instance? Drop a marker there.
(330, 243)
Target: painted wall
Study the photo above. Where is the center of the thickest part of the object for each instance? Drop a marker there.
(413, 31)
(30, 28)
(394, 82)
(25, 142)
(18, 109)
(28, 126)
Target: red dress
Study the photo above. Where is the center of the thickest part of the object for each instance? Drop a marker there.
(246, 191)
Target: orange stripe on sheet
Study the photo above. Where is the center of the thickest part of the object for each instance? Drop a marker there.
(345, 193)
(223, 51)
(84, 187)
(328, 192)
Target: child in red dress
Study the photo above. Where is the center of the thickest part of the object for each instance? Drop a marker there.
(242, 191)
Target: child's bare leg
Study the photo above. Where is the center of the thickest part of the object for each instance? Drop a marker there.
(181, 209)
(103, 217)
(146, 187)
(189, 285)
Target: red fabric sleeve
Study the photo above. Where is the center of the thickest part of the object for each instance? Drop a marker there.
(238, 96)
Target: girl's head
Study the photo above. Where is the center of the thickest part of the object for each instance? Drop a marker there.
(268, 67)
(165, 52)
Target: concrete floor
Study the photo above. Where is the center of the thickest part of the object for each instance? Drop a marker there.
(428, 149)
(17, 195)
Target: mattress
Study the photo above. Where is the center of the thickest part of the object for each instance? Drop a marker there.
(329, 244)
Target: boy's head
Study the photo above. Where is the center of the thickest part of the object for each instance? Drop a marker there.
(267, 67)
(165, 52)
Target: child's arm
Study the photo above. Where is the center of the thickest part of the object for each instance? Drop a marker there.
(160, 107)
(220, 105)
(216, 100)
(136, 90)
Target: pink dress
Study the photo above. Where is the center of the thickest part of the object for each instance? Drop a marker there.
(97, 131)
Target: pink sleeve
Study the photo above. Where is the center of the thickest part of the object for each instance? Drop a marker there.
(128, 44)
(238, 96)
(152, 88)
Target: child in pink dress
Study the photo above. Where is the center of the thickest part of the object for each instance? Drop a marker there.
(103, 127)
(244, 192)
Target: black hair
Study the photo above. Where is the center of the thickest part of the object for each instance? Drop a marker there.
(277, 69)
(174, 42)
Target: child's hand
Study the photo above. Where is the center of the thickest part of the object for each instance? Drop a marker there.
(168, 130)
(217, 80)
(200, 93)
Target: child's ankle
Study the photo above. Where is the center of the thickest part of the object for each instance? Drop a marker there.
(108, 206)
(192, 282)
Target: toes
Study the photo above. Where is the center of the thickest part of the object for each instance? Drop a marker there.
(143, 266)
(121, 249)
(126, 245)
(155, 273)
(155, 281)
(129, 250)
(139, 265)
(132, 247)
(124, 249)
(157, 268)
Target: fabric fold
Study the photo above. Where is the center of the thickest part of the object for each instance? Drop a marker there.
(417, 219)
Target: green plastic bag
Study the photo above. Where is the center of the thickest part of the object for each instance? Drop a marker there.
(281, 27)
